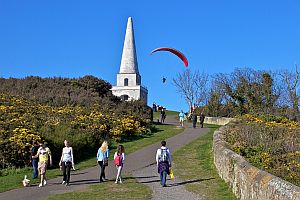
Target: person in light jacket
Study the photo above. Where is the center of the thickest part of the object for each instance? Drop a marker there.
(181, 118)
(102, 159)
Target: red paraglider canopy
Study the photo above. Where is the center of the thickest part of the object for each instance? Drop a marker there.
(174, 51)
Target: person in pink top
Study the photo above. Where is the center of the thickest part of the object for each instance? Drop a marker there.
(119, 159)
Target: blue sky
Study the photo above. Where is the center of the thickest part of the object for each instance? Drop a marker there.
(75, 38)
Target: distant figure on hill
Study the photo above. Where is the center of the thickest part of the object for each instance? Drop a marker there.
(194, 119)
(202, 117)
(181, 118)
(162, 115)
(154, 107)
(163, 162)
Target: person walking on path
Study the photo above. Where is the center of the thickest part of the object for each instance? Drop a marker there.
(162, 115)
(102, 159)
(163, 162)
(119, 159)
(145, 157)
(44, 155)
(202, 117)
(34, 161)
(66, 162)
(194, 119)
(181, 118)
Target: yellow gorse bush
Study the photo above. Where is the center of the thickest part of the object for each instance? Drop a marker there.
(269, 142)
(23, 138)
(22, 122)
(277, 122)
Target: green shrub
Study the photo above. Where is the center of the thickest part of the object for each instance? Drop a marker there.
(24, 121)
(268, 142)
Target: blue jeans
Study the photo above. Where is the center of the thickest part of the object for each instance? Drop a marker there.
(163, 178)
(35, 168)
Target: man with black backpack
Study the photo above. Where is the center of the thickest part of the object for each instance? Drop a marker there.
(164, 162)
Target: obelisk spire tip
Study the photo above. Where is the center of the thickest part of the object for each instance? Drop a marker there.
(129, 63)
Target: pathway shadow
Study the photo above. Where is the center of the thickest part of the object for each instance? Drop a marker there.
(190, 181)
(177, 184)
(78, 173)
(84, 182)
(152, 181)
(145, 177)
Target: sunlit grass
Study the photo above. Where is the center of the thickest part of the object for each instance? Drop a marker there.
(156, 115)
(194, 162)
(109, 190)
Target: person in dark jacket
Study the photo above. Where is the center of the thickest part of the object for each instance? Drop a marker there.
(163, 162)
(162, 115)
(194, 119)
(202, 116)
(34, 161)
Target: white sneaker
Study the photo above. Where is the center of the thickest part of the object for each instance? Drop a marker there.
(121, 181)
(45, 182)
(63, 182)
(116, 182)
(40, 185)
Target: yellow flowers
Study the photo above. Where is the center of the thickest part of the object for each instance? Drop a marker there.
(268, 142)
(23, 138)
(126, 126)
(266, 160)
(271, 121)
(22, 122)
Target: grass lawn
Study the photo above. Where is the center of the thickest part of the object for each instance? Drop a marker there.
(109, 190)
(156, 115)
(15, 176)
(194, 163)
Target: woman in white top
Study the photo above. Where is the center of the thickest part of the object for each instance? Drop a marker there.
(66, 162)
(119, 158)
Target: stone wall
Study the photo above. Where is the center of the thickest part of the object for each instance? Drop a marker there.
(246, 181)
(216, 120)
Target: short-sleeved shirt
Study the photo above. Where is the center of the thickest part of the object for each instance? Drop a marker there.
(181, 116)
(44, 154)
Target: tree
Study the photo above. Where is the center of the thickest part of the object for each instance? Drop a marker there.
(291, 82)
(214, 103)
(248, 90)
(192, 86)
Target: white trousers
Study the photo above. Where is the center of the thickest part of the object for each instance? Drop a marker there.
(119, 168)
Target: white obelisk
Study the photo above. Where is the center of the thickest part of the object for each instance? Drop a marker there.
(128, 79)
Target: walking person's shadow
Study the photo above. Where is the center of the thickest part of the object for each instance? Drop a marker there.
(176, 184)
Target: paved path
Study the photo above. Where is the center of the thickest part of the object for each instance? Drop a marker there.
(175, 189)
(81, 179)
